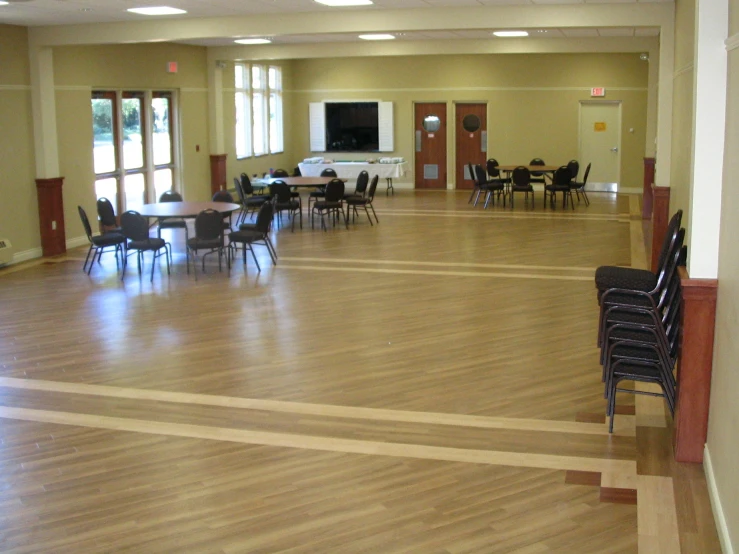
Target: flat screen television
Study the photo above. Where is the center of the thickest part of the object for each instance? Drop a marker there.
(352, 127)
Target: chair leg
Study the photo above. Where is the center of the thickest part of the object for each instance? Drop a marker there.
(369, 217)
(373, 212)
(271, 249)
(84, 265)
(253, 255)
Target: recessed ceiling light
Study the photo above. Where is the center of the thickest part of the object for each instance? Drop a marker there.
(335, 3)
(511, 33)
(377, 37)
(253, 41)
(156, 10)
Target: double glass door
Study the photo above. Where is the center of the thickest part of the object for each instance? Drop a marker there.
(133, 146)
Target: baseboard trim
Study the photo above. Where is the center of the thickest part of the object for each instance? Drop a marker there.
(25, 255)
(718, 512)
(630, 190)
(33, 253)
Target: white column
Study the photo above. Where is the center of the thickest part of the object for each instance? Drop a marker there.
(664, 99)
(709, 130)
(43, 105)
(215, 106)
(652, 110)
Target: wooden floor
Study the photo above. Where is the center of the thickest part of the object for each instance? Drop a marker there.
(428, 385)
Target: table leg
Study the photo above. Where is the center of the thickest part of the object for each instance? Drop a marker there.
(389, 186)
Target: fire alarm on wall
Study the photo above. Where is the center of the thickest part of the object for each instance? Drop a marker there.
(171, 67)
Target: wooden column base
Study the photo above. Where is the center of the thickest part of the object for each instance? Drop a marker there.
(217, 172)
(51, 216)
(694, 368)
(660, 220)
(646, 209)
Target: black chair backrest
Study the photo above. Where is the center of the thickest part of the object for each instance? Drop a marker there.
(134, 226)
(492, 166)
(280, 192)
(670, 236)
(280, 173)
(106, 213)
(170, 196)
(362, 182)
(223, 196)
(537, 161)
(373, 188)
(296, 172)
(562, 176)
(264, 217)
(85, 223)
(208, 225)
(521, 176)
(246, 185)
(335, 190)
(239, 190)
(328, 172)
(587, 172)
(471, 170)
(574, 167)
(480, 175)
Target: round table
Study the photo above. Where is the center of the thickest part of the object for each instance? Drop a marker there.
(185, 209)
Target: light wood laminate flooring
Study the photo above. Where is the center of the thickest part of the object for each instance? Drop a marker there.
(430, 384)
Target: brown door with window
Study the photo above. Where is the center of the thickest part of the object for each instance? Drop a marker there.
(471, 140)
(430, 145)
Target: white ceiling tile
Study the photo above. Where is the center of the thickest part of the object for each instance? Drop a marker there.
(580, 32)
(616, 32)
(646, 32)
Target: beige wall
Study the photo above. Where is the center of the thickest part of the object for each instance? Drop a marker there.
(723, 423)
(533, 100)
(18, 205)
(259, 164)
(79, 69)
(682, 111)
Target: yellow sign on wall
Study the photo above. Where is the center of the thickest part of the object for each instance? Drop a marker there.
(600, 126)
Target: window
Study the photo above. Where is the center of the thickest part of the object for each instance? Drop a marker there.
(275, 110)
(133, 146)
(243, 111)
(258, 99)
(259, 108)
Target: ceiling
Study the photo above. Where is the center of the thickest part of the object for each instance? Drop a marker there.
(67, 12)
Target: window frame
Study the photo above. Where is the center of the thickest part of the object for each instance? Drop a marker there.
(256, 102)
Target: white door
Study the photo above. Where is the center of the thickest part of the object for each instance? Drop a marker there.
(600, 144)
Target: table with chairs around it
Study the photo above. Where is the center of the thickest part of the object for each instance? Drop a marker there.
(496, 182)
(213, 221)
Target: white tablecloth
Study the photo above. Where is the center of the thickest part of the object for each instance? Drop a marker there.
(351, 170)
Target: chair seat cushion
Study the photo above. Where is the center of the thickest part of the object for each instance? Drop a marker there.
(292, 205)
(557, 188)
(323, 205)
(245, 235)
(197, 244)
(613, 277)
(248, 227)
(108, 239)
(357, 201)
(318, 194)
(152, 244)
(625, 370)
(256, 201)
(622, 350)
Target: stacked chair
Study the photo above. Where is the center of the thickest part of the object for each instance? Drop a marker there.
(639, 325)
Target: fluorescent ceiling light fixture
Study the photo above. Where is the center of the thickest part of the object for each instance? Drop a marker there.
(511, 33)
(253, 41)
(156, 10)
(3, 3)
(377, 37)
(335, 3)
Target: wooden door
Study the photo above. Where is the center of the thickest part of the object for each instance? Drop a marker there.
(430, 145)
(471, 139)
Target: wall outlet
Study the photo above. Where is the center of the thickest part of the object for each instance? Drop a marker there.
(53, 225)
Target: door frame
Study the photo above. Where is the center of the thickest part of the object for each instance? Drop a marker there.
(618, 104)
(453, 138)
(413, 138)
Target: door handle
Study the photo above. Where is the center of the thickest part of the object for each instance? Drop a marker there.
(614, 149)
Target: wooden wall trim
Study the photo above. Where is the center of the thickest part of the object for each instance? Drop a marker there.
(647, 198)
(695, 365)
(51, 216)
(660, 220)
(217, 172)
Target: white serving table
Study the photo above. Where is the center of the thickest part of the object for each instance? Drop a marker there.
(351, 170)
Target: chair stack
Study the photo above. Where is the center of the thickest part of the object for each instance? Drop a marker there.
(639, 326)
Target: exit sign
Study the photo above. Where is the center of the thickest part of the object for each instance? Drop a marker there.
(598, 91)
